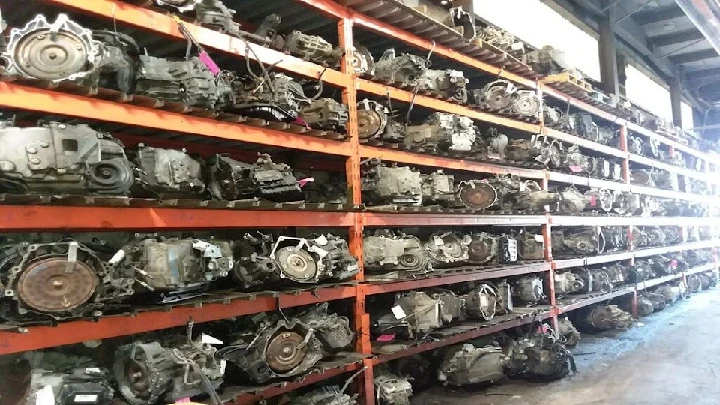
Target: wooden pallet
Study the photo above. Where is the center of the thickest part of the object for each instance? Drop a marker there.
(568, 82)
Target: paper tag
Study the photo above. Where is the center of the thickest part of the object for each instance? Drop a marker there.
(45, 396)
(483, 300)
(385, 338)
(398, 312)
(93, 370)
(209, 340)
(517, 46)
(84, 399)
(522, 187)
(575, 169)
(539, 238)
(438, 240)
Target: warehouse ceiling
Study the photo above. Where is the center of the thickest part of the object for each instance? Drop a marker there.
(660, 35)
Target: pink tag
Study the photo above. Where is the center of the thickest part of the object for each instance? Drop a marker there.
(300, 121)
(575, 169)
(209, 63)
(673, 263)
(182, 401)
(303, 182)
(593, 200)
(386, 338)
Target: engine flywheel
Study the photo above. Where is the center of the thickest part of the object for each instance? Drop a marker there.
(285, 351)
(47, 285)
(297, 264)
(478, 196)
(480, 251)
(527, 104)
(498, 98)
(641, 178)
(371, 123)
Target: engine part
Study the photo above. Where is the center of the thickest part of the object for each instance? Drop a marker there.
(277, 348)
(537, 201)
(599, 200)
(57, 280)
(497, 37)
(175, 264)
(309, 260)
(671, 293)
(585, 127)
(391, 389)
(466, 364)
(571, 201)
(575, 161)
(547, 61)
(527, 103)
(707, 280)
(166, 173)
(234, 180)
(59, 378)
(387, 251)
(184, 81)
(442, 131)
(673, 234)
(642, 178)
(616, 238)
(693, 284)
(606, 135)
(651, 147)
(641, 270)
(485, 248)
(150, 372)
(116, 65)
(568, 283)
(477, 194)
(578, 242)
(405, 69)
(325, 395)
(594, 280)
(640, 237)
(603, 317)
(417, 313)
(276, 97)
(657, 300)
(481, 302)
(539, 357)
(312, 48)
(655, 235)
(255, 266)
(325, 187)
(665, 180)
(552, 117)
(376, 123)
(362, 61)
(568, 333)
(447, 249)
(531, 246)
(617, 273)
(391, 185)
(439, 188)
(448, 84)
(332, 329)
(57, 51)
(645, 307)
(462, 22)
(634, 145)
(528, 290)
(497, 96)
(325, 113)
(536, 149)
(72, 159)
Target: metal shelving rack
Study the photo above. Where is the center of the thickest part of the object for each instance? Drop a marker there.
(122, 109)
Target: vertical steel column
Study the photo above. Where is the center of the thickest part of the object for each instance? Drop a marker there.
(547, 236)
(607, 49)
(676, 96)
(352, 171)
(626, 179)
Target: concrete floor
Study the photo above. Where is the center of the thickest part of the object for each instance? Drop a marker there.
(670, 357)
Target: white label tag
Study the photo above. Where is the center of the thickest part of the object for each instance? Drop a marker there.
(522, 186)
(438, 240)
(45, 396)
(517, 46)
(398, 312)
(209, 340)
(483, 301)
(539, 238)
(93, 370)
(83, 399)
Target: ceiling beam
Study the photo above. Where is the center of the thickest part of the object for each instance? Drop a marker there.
(693, 56)
(677, 37)
(658, 14)
(702, 74)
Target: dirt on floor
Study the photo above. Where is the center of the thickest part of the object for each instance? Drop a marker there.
(671, 357)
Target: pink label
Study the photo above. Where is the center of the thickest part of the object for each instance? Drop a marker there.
(593, 200)
(303, 182)
(575, 169)
(386, 338)
(673, 263)
(183, 401)
(300, 121)
(209, 63)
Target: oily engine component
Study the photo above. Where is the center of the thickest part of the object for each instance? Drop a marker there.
(174, 264)
(568, 283)
(531, 246)
(332, 329)
(151, 372)
(312, 48)
(375, 122)
(577, 242)
(185, 81)
(539, 357)
(603, 317)
(447, 249)
(264, 260)
(442, 131)
(503, 97)
(392, 389)
(325, 395)
(391, 184)
(528, 290)
(273, 348)
(394, 252)
(63, 377)
(325, 113)
(569, 335)
(466, 364)
(482, 302)
(416, 313)
(167, 173)
(593, 280)
(275, 97)
(57, 280)
(234, 180)
(485, 248)
(74, 159)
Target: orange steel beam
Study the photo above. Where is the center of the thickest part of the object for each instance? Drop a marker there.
(579, 104)
(585, 143)
(16, 218)
(447, 163)
(163, 24)
(440, 219)
(441, 105)
(34, 99)
(40, 337)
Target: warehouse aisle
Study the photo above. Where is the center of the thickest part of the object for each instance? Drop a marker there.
(672, 359)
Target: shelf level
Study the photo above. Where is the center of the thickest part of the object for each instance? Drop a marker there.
(378, 219)
(40, 337)
(593, 299)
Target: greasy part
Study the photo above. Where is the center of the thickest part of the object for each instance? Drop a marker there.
(285, 352)
(47, 285)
